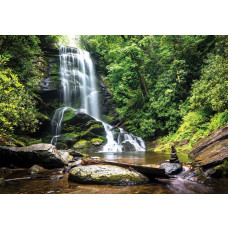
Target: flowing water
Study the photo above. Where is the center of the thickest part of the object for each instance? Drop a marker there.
(79, 90)
(55, 181)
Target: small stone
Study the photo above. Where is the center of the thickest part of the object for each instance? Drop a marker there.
(37, 169)
(2, 181)
(171, 168)
(75, 163)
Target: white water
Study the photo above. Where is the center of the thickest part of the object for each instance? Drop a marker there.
(80, 94)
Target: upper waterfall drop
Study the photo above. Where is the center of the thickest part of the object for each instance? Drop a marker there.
(79, 91)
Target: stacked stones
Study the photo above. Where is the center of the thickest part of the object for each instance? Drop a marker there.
(174, 158)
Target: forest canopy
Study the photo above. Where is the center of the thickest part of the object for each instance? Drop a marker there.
(165, 84)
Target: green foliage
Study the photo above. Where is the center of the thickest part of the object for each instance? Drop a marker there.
(16, 105)
(196, 125)
(165, 85)
(211, 91)
(150, 76)
(22, 68)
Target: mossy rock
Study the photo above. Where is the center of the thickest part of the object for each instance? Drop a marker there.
(68, 114)
(45, 155)
(82, 144)
(75, 153)
(97, 129)
(117, 129)
(79, 130)
(106, 174)
(67, 140)
(221, 170)
(97, 141)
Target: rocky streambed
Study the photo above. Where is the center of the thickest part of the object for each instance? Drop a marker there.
(41, 168)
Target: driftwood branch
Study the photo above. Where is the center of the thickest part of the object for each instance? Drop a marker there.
(118, 125)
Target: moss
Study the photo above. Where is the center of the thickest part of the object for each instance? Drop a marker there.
(55, 68)
(68, 114)
(91, 122)
(82, 144)
(68, 136)
(96, 141)
(78, 154)
(117, 129)
(222, 170)
(201, 177)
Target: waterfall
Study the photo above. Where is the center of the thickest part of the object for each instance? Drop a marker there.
(79, 92)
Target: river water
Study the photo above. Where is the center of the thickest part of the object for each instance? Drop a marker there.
(21, 181)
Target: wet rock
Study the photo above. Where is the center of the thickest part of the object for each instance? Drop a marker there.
(45, 155)
(194, 174)
(174, 158)
(75, 163)
(218, 171)
(213, 155)
(81, 132)
(212, 150)
(171, 168)
(127, 146)
(106, 102)
(4, 172)
(37, 169)
(218, 135)
(106, 174)
(96, 142)
(77, 154)
(2, 181)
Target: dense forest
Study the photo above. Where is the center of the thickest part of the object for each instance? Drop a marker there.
(22, 68)
(120, 110)
(164, 87)
(173, 86)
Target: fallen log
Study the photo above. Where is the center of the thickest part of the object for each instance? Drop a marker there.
(148, 170)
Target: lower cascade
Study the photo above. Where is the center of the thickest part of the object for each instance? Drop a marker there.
(80, 94)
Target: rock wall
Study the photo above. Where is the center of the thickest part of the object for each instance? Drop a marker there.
(211, 153)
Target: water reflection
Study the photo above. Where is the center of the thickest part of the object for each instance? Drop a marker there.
(21, 181)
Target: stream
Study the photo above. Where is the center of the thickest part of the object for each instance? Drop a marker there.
(21, 181)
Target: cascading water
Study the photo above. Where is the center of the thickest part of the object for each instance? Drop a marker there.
(80, 94)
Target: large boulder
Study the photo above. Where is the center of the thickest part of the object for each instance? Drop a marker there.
(81, 132)
(45, 155)
(106, 174)
(212, 150)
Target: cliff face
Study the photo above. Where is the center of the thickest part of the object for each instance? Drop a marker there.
(50, 94)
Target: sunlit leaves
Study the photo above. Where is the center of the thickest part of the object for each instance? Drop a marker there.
(17, 108)
(212, 88)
